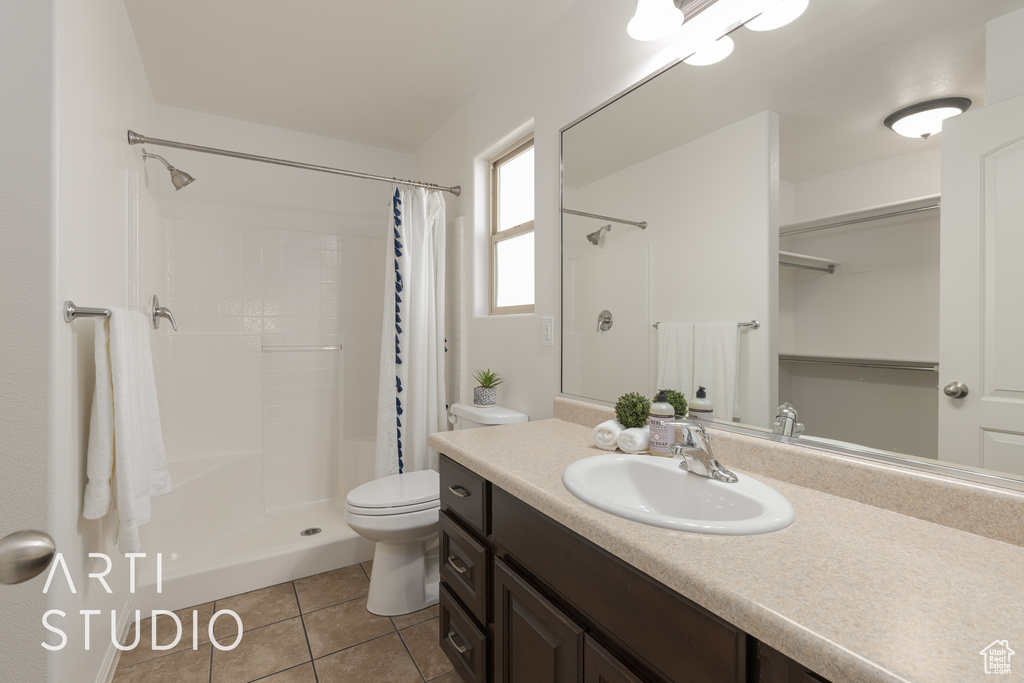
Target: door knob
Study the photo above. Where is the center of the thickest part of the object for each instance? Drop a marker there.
(955, 390)
(24, 554)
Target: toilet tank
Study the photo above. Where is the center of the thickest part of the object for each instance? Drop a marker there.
(468, 416)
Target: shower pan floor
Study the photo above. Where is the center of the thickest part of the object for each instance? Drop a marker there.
(270, 549)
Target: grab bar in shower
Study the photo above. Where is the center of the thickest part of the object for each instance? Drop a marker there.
(270, 349)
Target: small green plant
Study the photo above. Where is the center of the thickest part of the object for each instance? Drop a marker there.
(632, 410)
(487, 379)
(677, 400)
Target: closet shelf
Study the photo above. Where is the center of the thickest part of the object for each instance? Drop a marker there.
(882, 364)
(794, 260)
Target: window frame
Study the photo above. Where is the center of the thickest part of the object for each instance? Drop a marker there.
(515, 231)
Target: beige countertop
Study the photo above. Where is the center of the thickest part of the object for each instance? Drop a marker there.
(854, 592)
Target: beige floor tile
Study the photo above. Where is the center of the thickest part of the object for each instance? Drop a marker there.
(407, 620)
(451, 677)
(383, 659)
(165, 632)
(256, 609)
(344, 625)
(298, 674)
(262, 652)
(187, 666)
(330, 588)
(367, 567)
(426, 652)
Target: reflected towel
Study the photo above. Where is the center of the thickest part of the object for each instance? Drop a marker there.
(716, 361)
(675, 357)
(635, 440)
(606, 435)
(125, 438)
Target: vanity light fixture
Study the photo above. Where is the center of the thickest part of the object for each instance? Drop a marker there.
(712, 53)
(925, 119)
(778, 16)
(654, 19)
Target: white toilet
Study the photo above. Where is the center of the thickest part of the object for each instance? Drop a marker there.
(400, 513)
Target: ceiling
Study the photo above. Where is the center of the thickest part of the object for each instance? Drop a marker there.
(378, 72)
(832, 76)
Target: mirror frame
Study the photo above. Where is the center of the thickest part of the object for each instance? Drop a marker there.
(938, 467)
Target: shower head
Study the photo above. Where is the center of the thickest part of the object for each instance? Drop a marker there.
(595, 237)
(178, 177)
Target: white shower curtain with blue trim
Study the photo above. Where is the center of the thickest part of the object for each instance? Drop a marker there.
(411, 398)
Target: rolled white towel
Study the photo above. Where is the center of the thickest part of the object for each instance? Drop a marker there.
(606, 435)
(635, 440)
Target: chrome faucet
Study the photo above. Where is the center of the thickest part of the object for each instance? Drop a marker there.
(785, 421)
(696, 454)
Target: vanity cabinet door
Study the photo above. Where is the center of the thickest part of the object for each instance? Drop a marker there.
(534, 642)
(601, 666)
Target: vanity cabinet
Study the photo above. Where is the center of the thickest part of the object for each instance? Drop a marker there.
(523, 599)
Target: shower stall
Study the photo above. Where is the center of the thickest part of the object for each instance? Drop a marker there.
(268, 390)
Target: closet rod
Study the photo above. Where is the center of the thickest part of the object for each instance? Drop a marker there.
(138, 139)
(864, 219)
(924, 367)
(640, 224)
(829, 269)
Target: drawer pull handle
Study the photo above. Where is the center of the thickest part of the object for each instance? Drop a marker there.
(460, 491)
(454, 563)
(461, 649)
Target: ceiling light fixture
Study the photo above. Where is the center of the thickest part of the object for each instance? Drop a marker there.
(654, 19)
(712, 53)
(778, 15)
(925, 119)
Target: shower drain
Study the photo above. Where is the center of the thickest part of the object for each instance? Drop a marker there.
(311, 531)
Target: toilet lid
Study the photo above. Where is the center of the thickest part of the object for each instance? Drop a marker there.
(417, 490)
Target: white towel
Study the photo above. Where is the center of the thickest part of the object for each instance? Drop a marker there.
(635, 440)
(125, 438)
(675, 357)
(606, 435)
(716, 361)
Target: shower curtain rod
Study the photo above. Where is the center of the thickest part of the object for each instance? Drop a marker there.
(137, 139)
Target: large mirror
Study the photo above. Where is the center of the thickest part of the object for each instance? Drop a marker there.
(766, 188)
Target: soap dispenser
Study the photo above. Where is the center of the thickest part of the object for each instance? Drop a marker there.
(662, 427)
(701, 407)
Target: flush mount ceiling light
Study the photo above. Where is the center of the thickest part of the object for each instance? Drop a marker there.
(654, 19)
(925, 119)
(712, 53)
(778, 16)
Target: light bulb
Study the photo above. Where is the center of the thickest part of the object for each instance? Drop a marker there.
(778, 15)
(712, 52)
(654, 19)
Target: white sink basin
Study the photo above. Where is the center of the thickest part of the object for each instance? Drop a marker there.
(656, 491)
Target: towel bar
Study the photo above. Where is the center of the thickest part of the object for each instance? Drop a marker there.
(753, 324)
(71, 311)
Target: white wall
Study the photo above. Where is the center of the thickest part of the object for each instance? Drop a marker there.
(711, 212)
(1004, 53)
(102, 91)
(28, 328)
(584, 59)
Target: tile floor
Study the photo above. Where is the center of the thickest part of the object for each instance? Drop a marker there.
(312, 630)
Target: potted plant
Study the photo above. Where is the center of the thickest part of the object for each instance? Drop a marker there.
(486, 394)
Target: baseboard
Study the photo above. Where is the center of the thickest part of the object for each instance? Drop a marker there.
(113, 656)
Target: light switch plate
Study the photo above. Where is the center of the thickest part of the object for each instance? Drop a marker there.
(547, 331)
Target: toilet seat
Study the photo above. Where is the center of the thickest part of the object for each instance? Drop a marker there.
(396, 495)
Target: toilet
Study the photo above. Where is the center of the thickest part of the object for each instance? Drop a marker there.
(400, 514)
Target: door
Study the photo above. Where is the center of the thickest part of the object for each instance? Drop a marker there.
(981, 325)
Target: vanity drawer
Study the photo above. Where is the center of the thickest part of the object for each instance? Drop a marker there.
(465, 493)
(464, 563)
(464, 644)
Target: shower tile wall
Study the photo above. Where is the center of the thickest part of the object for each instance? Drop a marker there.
(236, 289)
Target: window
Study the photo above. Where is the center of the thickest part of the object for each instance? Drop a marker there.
(512, 231)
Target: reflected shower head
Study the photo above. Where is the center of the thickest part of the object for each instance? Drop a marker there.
(179, 178)
(595, 237)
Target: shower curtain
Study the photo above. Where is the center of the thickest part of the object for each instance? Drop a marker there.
(411, 396)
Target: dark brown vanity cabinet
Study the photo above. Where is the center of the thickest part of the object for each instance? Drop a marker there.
(525, 600)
